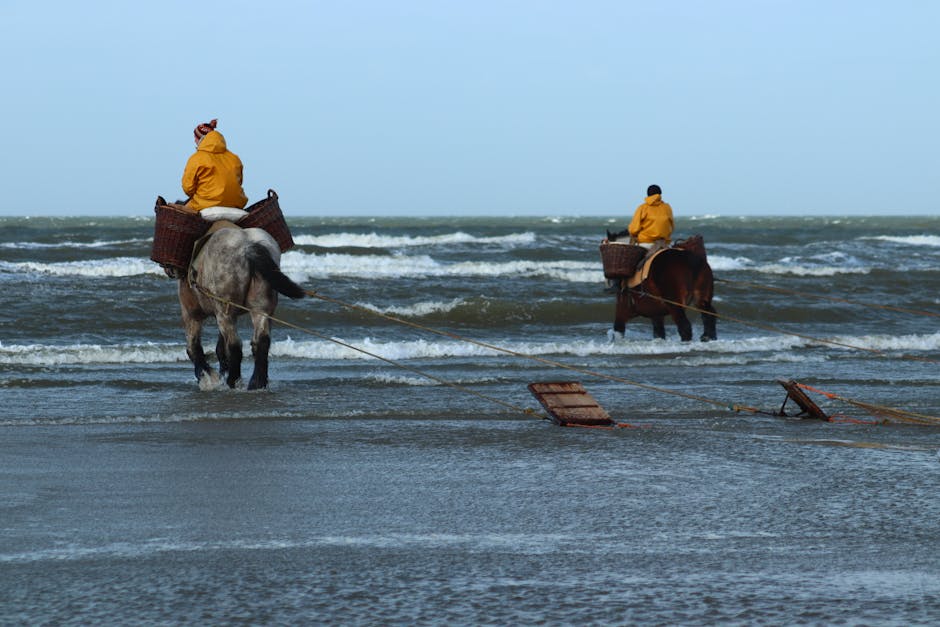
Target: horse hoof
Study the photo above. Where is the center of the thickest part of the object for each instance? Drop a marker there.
(706, 338)
(209, 381)
(614, 336)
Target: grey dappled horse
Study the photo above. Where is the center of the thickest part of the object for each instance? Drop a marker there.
(240, 267)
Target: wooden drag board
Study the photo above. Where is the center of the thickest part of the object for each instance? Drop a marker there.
(569, 404)
(799, 397)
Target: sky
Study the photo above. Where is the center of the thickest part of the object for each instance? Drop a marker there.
(482, 107)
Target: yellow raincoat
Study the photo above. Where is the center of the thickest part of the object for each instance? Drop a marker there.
(213, 175)
(652, 221)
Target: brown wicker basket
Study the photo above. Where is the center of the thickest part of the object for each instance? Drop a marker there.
(620, 260)
(175, 231)
(266, 214)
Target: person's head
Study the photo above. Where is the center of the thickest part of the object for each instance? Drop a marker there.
(652, 190)
(204, 129)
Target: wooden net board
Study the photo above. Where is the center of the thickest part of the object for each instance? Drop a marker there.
(568, 403)
(800, 398)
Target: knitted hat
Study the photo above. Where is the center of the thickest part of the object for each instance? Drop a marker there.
(204, 129)
(650, 191)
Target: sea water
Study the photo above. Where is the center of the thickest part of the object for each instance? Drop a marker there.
(416, 489)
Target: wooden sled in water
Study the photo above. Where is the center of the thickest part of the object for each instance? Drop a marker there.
(808, 408)
(570, 405)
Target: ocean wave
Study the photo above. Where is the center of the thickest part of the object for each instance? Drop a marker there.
(719, 262)
(375, 240)
(51, 355)
(41, 355)
(417, 309)
(305, 266)
(913, 240)
(302, 267)
(70, 244)
(829, 264)
(113, 267)
(807, 270)
(416, 381)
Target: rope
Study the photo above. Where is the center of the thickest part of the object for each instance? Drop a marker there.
(780, 290)
(549, 362)
(878, 410)
(450, 384)
(454, 336)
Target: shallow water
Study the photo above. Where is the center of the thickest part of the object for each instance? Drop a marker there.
(353, 491)
(462, 521)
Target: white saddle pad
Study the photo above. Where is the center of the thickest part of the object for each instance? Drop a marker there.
(232, 214)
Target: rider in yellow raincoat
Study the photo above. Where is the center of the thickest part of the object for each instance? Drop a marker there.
(651, 227)
(652, 221)
(213, 174)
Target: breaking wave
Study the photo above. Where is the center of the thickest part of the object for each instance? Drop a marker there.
(913, 240)
(375, 240)
(43, 355)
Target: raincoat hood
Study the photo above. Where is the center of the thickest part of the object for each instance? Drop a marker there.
(213, 175)
(213, 142)
(655, 199)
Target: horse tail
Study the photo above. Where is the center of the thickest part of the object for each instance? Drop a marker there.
(260, 262)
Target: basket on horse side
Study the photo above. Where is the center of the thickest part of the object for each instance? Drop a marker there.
(620, 260)
(175, 232)
(266, 214)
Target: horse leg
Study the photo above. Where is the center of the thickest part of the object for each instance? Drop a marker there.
(195, 351)
(704, 292)
(222, 355)
(623, 312)
(260, 346)
(659, 328)
(233, 347)
(682, 323)
(192, 323)
(709, 320)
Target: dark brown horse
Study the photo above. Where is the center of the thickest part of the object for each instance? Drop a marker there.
(679, 276)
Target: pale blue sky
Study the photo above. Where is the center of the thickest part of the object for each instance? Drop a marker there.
(482, 107)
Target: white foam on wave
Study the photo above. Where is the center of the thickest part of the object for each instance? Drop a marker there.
(40, 355)
(807, 270)
(71, 244)
(389, 379)
(113, 267)
(425, 349)
(375, 240)
(51, 355)
(913, 343)
(304, 266)
(719, 262)
(417, 309)
(913, 240)
(828, 264)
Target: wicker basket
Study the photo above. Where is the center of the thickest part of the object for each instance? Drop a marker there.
(266, 214)
(620, 260)
(176, 230)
